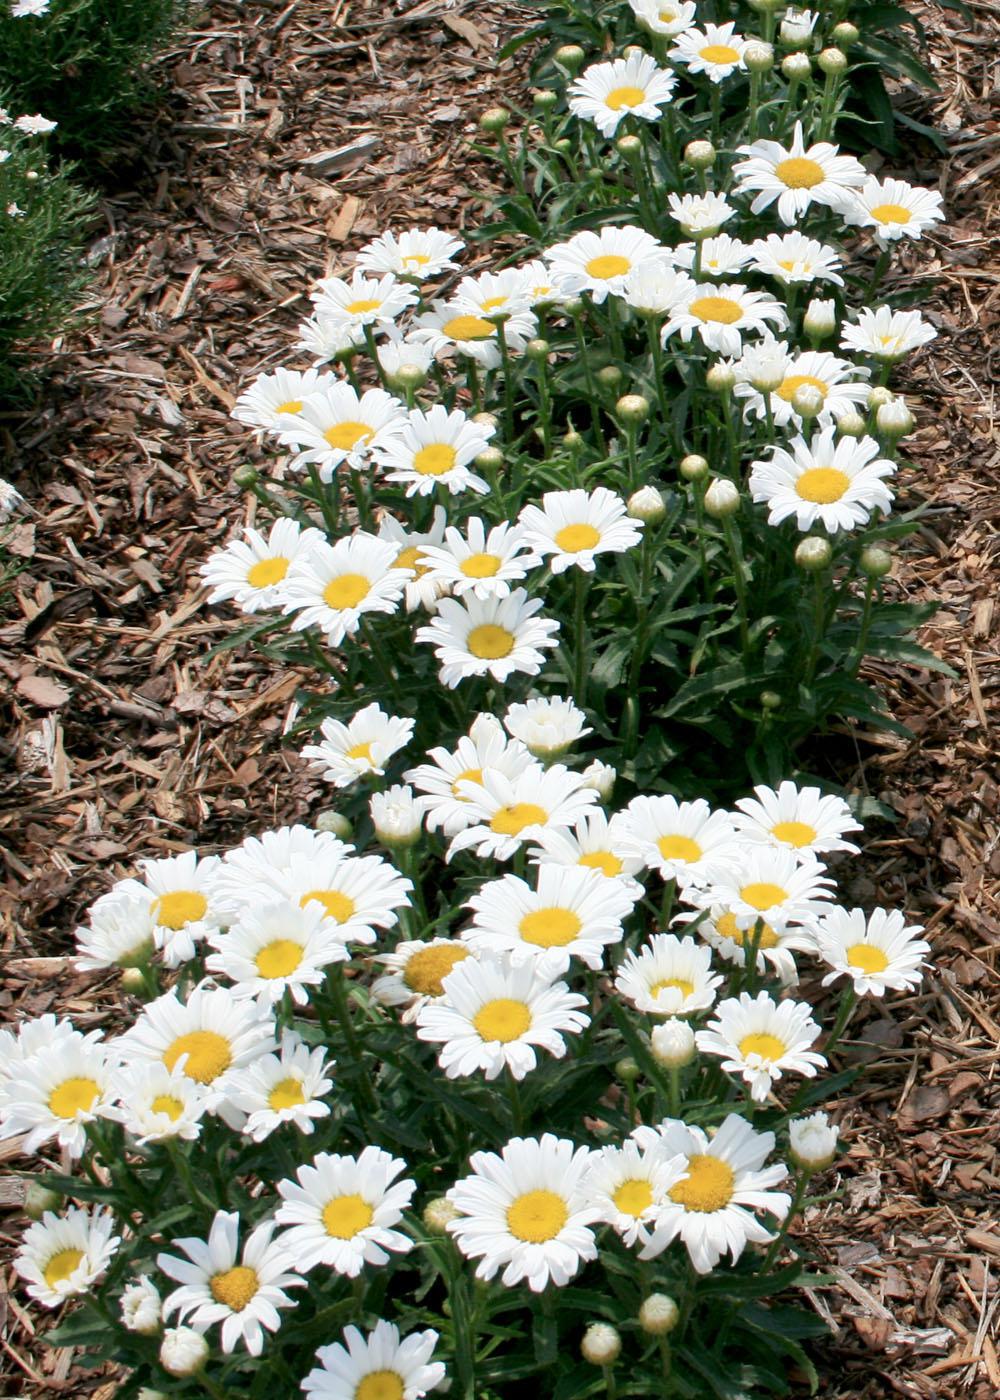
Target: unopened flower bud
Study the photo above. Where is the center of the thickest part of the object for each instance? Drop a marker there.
(693, 467)
(183, 1351)
(545, 99)
(438, 1214)
(494, 119)
(570, 57)
(879, 395)
(244, 477)
(490, 459)
(537, 350)
(673, 1043)
(632, 408)
(573, 307)
(335, 823)
(564, 145)
(627, 1070)
(629, 146)
(764, 7)
(820, 319)
(141, 1308)
(133, 982)
(601, 777)
(845, 34)
(758, 56)
(770, 700)
(486, 420)
(659, 1314)
(146, 1394)
(601, 1344)
(796, 29)
(851, 425)
(720, 378)
(610, 377)
(647, 505)
(699, 154)
(894, 419)
(722, 499)
(633, 51)
(38, 1199)
(813, 1141)
(813, 553)
(572, 440)
(832, 61)
(796, 66)
(875, 561)
(409, 377)
(397, 817)
(807, 400)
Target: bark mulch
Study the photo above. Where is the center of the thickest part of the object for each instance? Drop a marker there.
(125, 736)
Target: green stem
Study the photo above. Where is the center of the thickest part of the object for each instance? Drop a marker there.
(508, 381)
(329, 507)
(516, 1107)
(739, 585)
(866, 622)
(338, 995)
(801, 1186)
(609, 1382)
(579, 639)
(210, 1387)
(848, 1001)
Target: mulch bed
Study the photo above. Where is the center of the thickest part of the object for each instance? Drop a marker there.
(125, 736)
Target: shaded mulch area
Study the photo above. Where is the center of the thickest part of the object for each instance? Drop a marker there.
(125, 736)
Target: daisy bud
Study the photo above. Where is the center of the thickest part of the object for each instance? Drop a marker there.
(765, 7)
(693, 467)
(875, 561)
(646, 504)
(486, 420)
(845, 34)
(545, 99)
(38, 1199)
(699, 154)
(538, 350)
(796, 66)
(673, 1044)
(833, 61)
(494, 119)
(564, 145)
(244, 477)
(610, 377)
(634, 51)
(132, 982)
(572, 440)
(720, 378)
(335, 823)
(851, 425)
(796, 29)
(142, 1308)
(758, 56)
(146, 1394)
(31, 174)
(807, 401)
(659, 1314)
(490, 459)
(820, 319)
(628, 146)
(183, 1351)
(879, 395)
(770, 700)
(894, 419)
(601, 1344)
(438, 1214)
(408, 377)
(397, 817)
(632, 408)
(722, 499)
(813, 553)
(601, 777)
(570, 57)
(627, 1070)
(813, 1141)
(573, 307)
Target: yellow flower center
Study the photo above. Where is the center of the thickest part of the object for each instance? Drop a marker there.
(502, 1019)
(761, 894)
(679, 848)
(719, 53)
(788, 386)
(572, 538)
(607, 265)
(481, 565)
(348, 434)
(287, 1093)
(267, 571)
(417, 259)
(789, 264)
(380, 1385)
(362, 304)
(490, 642)
(768, 1047)
(491, 303)
(822, 485)
(707, 1187)
(720, 309)
(179, 907)
(435, 459)
(360, 751)
(279, 958)
(867, 958)
(208, 1055)
(337, 906)
(511, 821)
(345, 1216)
(799, 173)
(235, 1288)
(346, 591)
(426, 969)
(621, 97)
(668, 16)
(795, 833)
(603, 861)
(73, 1096)
(726, 926)
(679, 983)
(410, 558)
(168, 1105)
(537, 1216)
(891, 214)
(61, 1266)
(468, 328)
(633, 1196)
(550, 928)
(468, 775)
(290, 406)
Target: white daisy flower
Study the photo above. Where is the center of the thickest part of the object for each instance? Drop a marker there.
(262, 860)
(893, 209)
(842, 386)
(775, 951)
(376, 1367)
(668, 976)
(629, 1185)
(666, 17)
(655, 288)
(880, 952)
(397, 352)
(597, 842)
(486, 746)
(251, 572)
(700, 215)
(716, 51)
(483, 561)
(508, 811)
(56, 1092)
(154, 1103)
(600, 262)
(416, 252)
(120, 933)
(341, 1211)
(761, 1039)
(63, 1256)
(450, 329)
(141, 1308)
(277, 948)
(684, 841)
(571, 912)
(397, 816)
(179, 892)
(495, 636)
(831, 481)
(797, 27)
(887, 334)
(415, 972)
(527, 1211)
(324, 341)
(495, 1012)
(541, 290)
(807, 820)
(573, 527)
(422, 589)
(39, 1035)
(606, 93)
(812, 1141)
(243, 1290)
(363, 301)
(435, 449)
(721, 256)
(270, 396)
(770, 883)
(337, 426)
(712, 1207)
(359, 748)
(493, 294)
(285, 1088)
(547, 726)
(797, 177)
(720, 314)
(794, 259)
(357, 895)
(334, 585)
